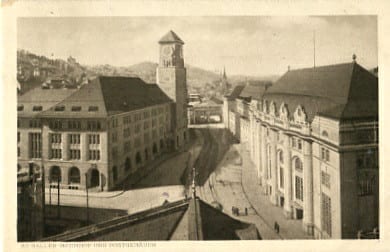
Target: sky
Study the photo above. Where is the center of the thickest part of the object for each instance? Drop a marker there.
(247, 45)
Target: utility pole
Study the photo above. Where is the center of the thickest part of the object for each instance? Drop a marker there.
(86, 188)
(58, 198)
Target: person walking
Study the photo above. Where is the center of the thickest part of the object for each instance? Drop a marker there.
(246, 211)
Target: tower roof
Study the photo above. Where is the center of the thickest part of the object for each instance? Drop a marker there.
(170, 37)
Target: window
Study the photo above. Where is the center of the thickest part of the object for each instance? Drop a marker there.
(114, 137)
(146, 138)
(293, 142)
(325, 156)
(298, 188)
(37, 108)
(74, 138)
(138, 158)
(126, 146)
(56, 153)
(35, 145)
(137, 128)
(55, 138)
(146, 125)
(55, 174)
(59, 108)
(74, 154)
(56, 124)
(367, 181)
(18, 151)
(94, 139)
(18, 137)
(93, 125)
(281, 157)
(137, 117)
(94, 155)
(114, 123)
(137, 142)
(74, 175)
(326, 213)
(127, 164)
(324, 133)
(114, 153)
(325, 179)
(299, 144)
(126, 132)
(93, 108)
(154, 122)
(35, 123)
(20, 108)
(76, 108)
(74, 125)
(146, 114)
(281, 177)
(298, 165)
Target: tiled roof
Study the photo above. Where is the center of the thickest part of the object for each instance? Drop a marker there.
(170, 37)
(338, 91)
(255, 90)
(111, 95)
(38, 96)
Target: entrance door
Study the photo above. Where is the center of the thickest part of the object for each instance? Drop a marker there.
(94, 178)
(299, 214)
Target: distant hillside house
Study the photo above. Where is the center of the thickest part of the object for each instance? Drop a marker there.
(313, 137)
(104, 131)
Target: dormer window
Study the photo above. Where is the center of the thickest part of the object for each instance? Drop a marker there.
(324, 133)
(37, 108)
(59, 108)
(20, 107)
(93, 108)
(76, 108)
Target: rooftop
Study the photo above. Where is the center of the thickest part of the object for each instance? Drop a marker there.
(104, 96)
(170, 37)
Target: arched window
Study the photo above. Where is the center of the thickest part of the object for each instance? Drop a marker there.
(154, 148)
(281, 157)
(298, 164)
(146, 154)
(324, 133)
(138, 158)
(74, 175)
(127, 164)
(55, 174)
(161, 144)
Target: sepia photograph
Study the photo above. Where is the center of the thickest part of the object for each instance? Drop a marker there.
(197, 128)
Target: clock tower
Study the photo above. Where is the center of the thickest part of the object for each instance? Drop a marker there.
(172, 79)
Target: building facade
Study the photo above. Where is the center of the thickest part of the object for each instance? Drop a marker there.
(313, 137)
(102, 132)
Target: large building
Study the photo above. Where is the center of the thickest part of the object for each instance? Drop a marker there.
(104, 131)
(313, 137)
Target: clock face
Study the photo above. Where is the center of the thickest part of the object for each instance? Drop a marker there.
(167, 50)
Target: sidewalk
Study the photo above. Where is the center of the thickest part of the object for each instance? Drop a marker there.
(289, 228)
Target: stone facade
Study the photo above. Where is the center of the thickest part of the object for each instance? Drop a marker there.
(323, 171)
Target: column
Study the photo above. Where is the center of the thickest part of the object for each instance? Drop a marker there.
(308, 215)
(263, 152)
(287, 177)
(65, 146)
(274, 179)
(83, 147)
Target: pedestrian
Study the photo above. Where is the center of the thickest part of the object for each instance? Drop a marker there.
(246, 211)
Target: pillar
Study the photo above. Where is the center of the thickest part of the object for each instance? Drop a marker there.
(287, 177)
(263, 152)
(274, 173)
(83, 147)
(65, 146)
(308, 215)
